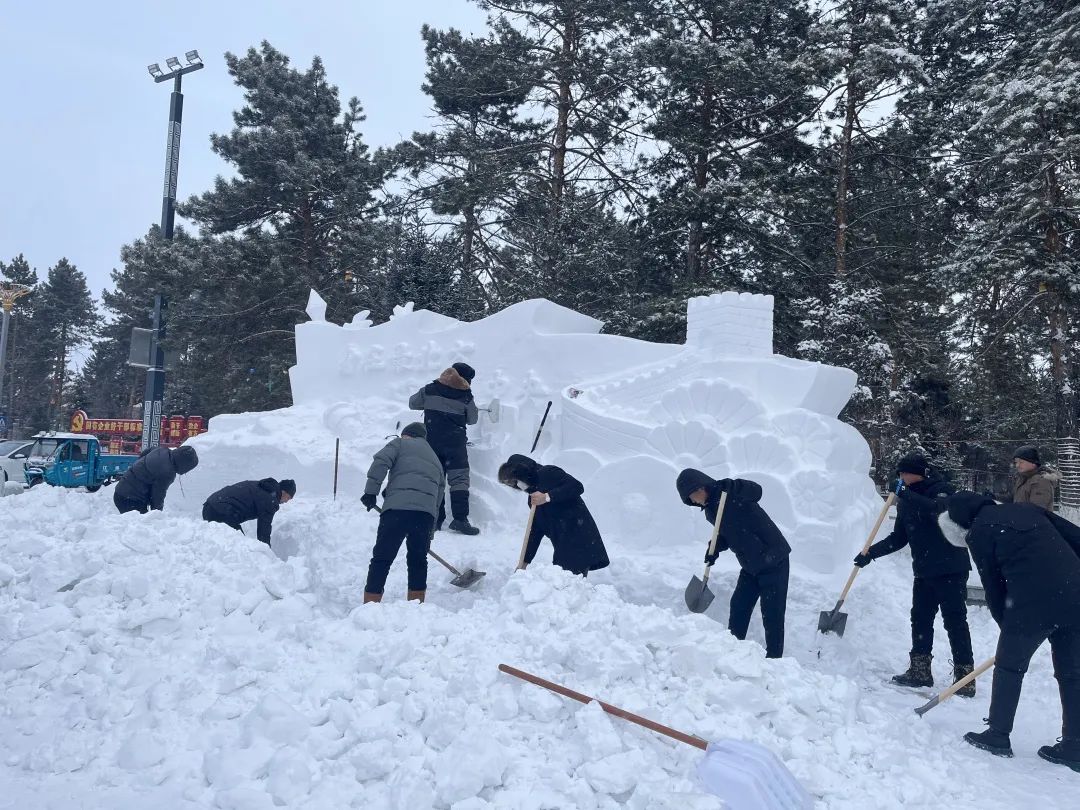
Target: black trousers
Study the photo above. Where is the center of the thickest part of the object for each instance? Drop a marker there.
(124, 505)
(1014, 651)
(214, 514)
(454, 457)
(396, 525)
(949, 593)
(771, 586)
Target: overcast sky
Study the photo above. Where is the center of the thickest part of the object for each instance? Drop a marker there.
(82, 124)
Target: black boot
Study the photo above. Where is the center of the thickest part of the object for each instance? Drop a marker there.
(1066, 752)
(960, 671)
(463, 526)
(996, 742)
(918, 673)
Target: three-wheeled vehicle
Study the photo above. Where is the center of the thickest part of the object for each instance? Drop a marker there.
(73, 460)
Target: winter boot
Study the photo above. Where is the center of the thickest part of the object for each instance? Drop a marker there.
(416, 596)
(1066, 752)
(995, 742)
(463, 526)
(918, 673)
(960, 671)
(372, 597)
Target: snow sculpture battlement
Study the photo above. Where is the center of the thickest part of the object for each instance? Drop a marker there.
(731, 323)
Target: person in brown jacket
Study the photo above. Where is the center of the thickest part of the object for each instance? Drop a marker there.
(1034, 482)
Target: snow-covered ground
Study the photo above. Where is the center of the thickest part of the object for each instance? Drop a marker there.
(160, 661)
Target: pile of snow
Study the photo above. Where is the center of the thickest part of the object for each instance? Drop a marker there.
(160, 661)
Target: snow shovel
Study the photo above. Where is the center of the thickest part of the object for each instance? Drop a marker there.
(493, 409)
(833, 621)
(698, 596)
(747, 776)
(461, 579)
(525, 542)
(956, 687)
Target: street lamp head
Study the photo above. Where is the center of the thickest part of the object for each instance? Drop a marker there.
(155, 70)
(173, 63)
(193, 58)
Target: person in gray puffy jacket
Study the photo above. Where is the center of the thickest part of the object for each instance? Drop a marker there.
(411, 503)
(144, 485)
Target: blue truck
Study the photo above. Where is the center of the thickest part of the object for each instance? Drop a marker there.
(73, 460)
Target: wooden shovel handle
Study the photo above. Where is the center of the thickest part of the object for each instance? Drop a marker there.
(667, 731)
(869, 542)
(956, 687)
(715, 534)
(444, 563)
(525, 542)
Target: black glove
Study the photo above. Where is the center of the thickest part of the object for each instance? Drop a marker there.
(863, 560)
(370, 501)
(711, 558)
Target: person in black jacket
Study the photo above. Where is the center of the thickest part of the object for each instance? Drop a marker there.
(561, 515)
(1029, 563)
(759, 546)
(144, 485)
(941, 573)
(249, 500)
(448, 408)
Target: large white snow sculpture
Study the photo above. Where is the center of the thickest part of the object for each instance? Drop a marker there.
(627, 415)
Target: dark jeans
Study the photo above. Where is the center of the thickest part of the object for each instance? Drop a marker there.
(1014, 651)
(213, 514)
(771, 586)
(124, 505)
(950, 594)
(395, 525)
(455, 463)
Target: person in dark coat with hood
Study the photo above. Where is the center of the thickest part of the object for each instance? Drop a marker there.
(1029, 563)
(411, 501)
(941, 572)
(561, 515)
(758, 545)
(448, 408)
(144, 485)
(249, 500)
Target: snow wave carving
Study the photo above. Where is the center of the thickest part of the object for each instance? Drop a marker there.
(762, 452)
(689, 444)
(727, 407)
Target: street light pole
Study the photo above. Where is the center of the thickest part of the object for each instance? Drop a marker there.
(10, 292)
(154, 393)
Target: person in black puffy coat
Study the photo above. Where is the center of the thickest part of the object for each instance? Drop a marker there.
(561, 515)
(1029, 563)
(941, 573)
(758, 545)
(144, 485)
(249, 500)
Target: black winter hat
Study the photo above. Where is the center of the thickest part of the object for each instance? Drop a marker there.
(288, 486)
(465, 370)
(416, 430)
(690, 481)
(913, 463)
(1028, 453)
(184, 459)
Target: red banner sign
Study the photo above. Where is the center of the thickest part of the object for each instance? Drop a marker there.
(174, 429)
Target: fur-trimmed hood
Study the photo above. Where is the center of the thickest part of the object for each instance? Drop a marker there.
(451, 379)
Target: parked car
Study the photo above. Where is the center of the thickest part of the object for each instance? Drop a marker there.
(13, 454)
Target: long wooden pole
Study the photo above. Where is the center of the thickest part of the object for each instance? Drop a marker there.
(644, 722)
(337, 447)
(525, 542)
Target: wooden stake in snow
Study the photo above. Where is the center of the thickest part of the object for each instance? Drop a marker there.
(747, 776)
(337, 447)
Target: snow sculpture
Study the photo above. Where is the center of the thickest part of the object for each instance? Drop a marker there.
(316, 307)
(627, 415)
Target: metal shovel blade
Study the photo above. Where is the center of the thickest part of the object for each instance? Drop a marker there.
(832, 621)
(468, 578)
(698, 596)
(494, 409)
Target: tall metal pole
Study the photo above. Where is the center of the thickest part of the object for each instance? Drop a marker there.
(9, 294)
(154, 392)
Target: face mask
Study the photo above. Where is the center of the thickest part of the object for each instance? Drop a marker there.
(522, 486)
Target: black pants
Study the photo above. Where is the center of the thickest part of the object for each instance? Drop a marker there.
(215, 514)
(771, 586)
(1014, 651)
(454, 457)
(395, 525)
(126, 505)
(950, 594)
